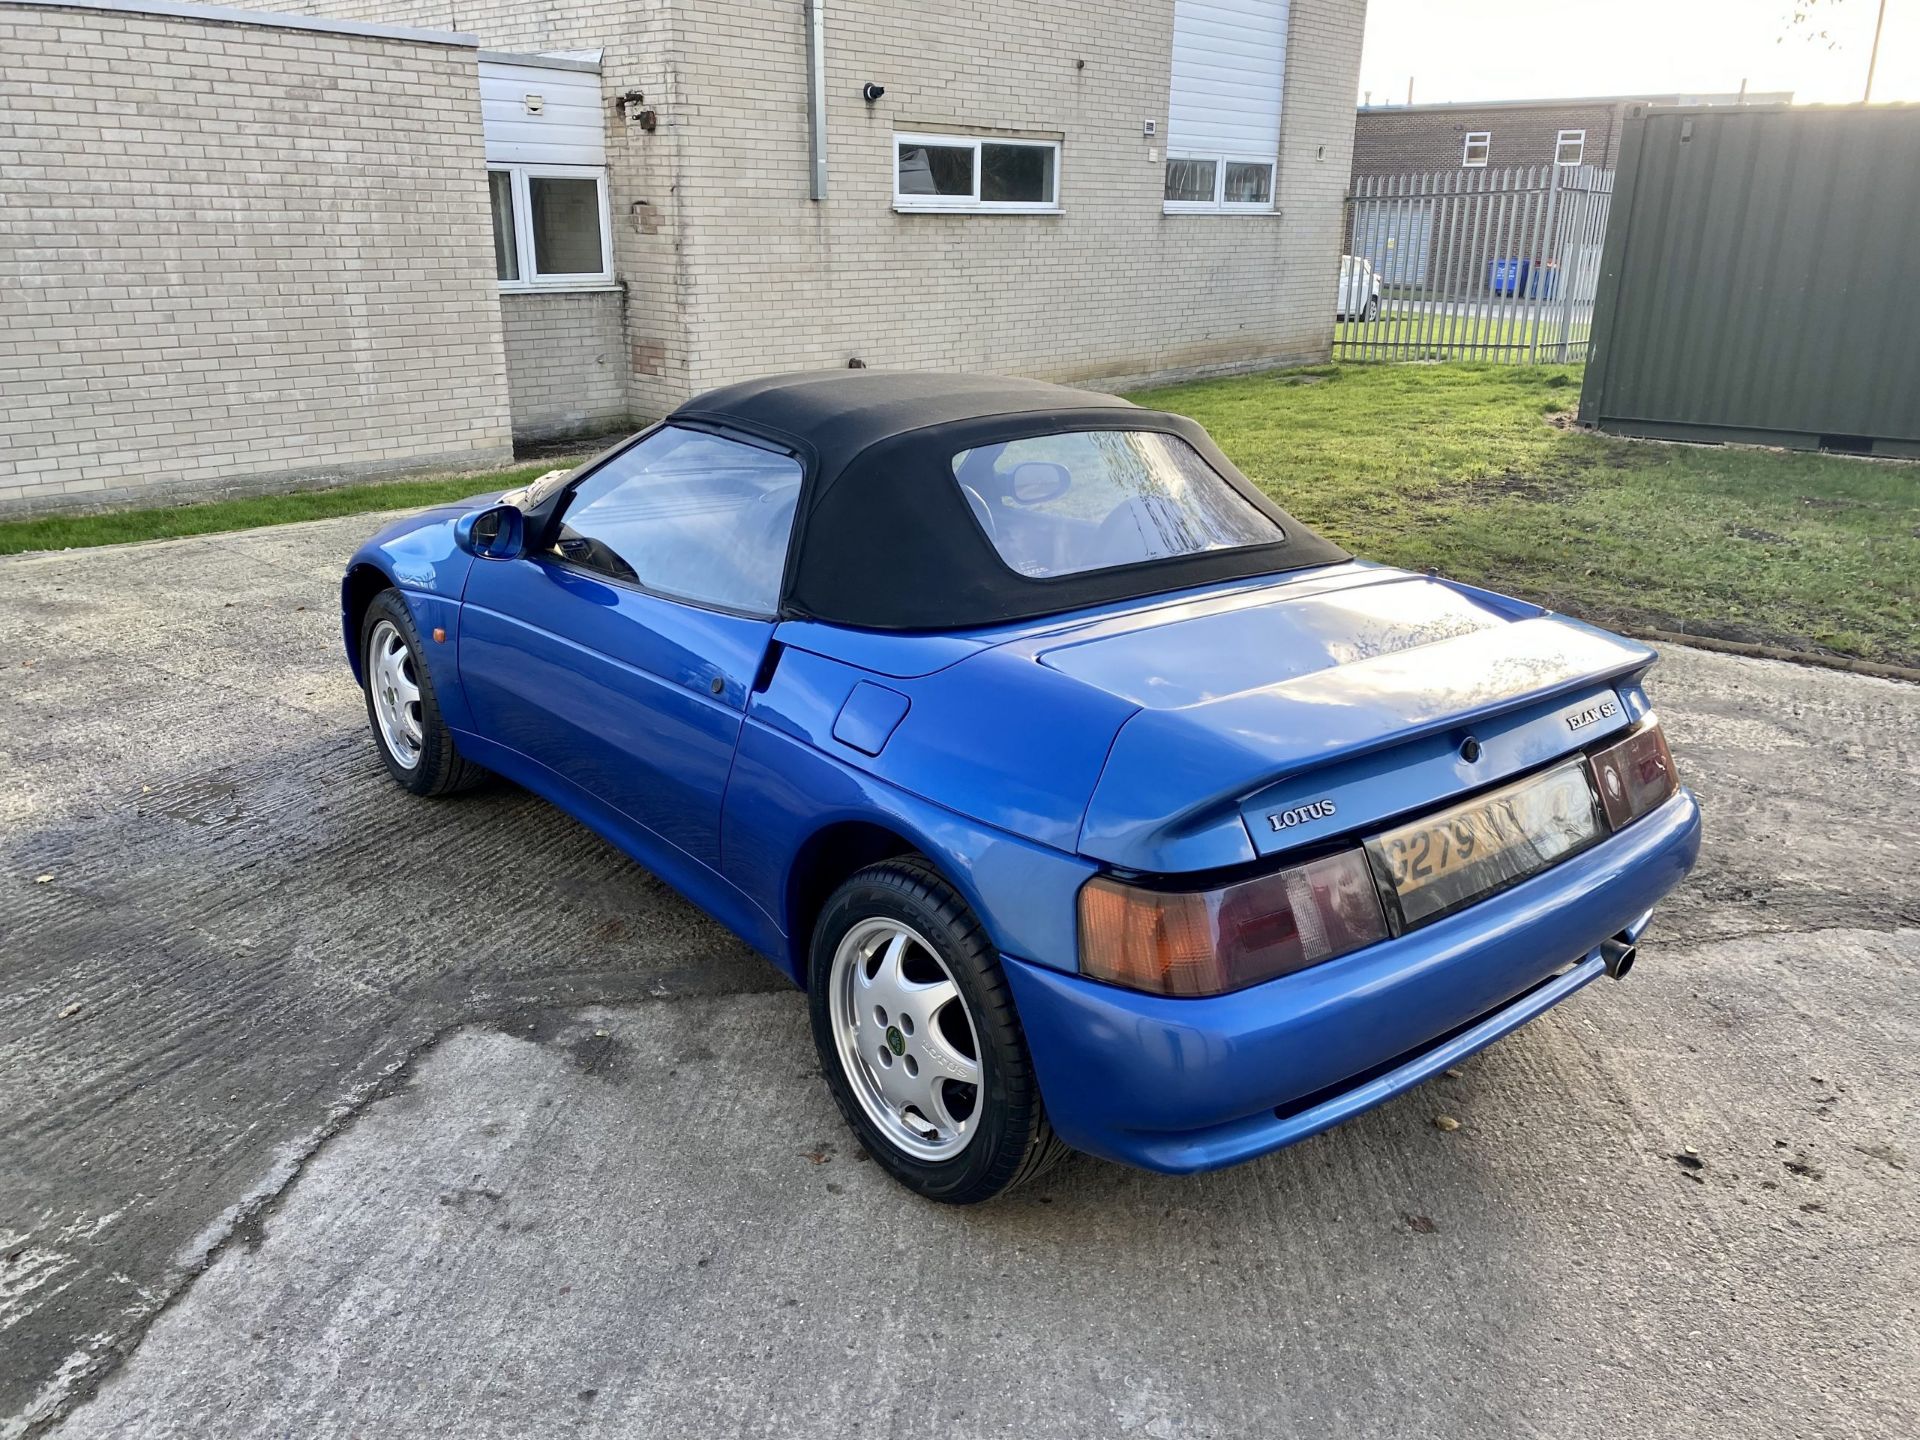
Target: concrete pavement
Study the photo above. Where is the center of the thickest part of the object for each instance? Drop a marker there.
(383, 1116)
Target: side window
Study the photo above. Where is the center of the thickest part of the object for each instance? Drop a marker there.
(689, 515)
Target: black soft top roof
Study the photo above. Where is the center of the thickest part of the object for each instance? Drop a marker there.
(838, 413)
(883, 536)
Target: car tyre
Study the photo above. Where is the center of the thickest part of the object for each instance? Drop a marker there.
(900, 967)
(1372, 312)
(402, 706)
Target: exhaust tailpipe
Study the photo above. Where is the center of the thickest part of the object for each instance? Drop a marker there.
(1617, 954)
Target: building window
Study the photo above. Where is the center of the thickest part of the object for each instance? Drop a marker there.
(1246, 183)
(1473, 155)
(1192, 182)
(974, 175)
(1570, 147)
(1201, 183)
(1223, 113)
(506, 247)
(550, 227)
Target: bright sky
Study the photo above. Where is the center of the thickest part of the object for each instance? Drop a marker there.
(1527, 49)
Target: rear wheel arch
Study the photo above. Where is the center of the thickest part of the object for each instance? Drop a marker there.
(833, 855)
(959, 1129)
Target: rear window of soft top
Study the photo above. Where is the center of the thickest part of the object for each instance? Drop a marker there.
(1086, 500)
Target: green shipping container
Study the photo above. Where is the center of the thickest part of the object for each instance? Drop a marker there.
(1761, 279)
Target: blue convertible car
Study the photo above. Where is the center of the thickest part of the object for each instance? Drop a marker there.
(1094, 800)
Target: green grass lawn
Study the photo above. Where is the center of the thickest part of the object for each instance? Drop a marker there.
(1469, 468)
(59, 532)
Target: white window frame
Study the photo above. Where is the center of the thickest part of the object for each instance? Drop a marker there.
(971, 204)
(530, 281)
(1219, 204)
(1575, 138)
(1484, 140)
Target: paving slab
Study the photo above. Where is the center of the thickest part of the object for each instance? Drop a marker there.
(648, 1220)
(330, 1144)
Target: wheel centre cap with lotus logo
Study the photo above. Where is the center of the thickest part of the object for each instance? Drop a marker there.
(896, 1042)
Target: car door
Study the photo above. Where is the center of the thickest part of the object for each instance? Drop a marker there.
(621, 655)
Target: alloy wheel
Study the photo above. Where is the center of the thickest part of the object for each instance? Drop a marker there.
(905, 1039)
(395, 686)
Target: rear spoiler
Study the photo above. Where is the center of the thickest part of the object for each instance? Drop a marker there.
(1169, 800)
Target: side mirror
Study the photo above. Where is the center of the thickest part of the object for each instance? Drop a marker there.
(497, 533)
(1037, 481)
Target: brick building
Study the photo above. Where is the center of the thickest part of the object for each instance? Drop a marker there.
(1081, 190)
(1498, 134)
(237, 254)
(683, 193)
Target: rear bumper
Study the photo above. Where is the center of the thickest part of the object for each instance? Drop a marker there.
(1185, 1085)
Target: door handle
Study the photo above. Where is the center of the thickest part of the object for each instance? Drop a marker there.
(715, 685)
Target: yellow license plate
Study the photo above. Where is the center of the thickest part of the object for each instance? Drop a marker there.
(1443, 861)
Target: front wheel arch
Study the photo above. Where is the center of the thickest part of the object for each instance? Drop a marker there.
(357, 591)
(436, 767)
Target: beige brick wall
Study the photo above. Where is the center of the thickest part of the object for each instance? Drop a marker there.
(732, 271)
(1111, 287)
(639, 52)
(234, 255)
(566, 363)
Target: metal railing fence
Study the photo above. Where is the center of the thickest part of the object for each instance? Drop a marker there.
(1477, 264)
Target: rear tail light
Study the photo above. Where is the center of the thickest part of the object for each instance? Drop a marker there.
(1212, 941)
(1635, 775)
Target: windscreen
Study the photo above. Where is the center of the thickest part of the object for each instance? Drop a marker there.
(1086, 500)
